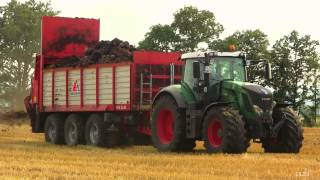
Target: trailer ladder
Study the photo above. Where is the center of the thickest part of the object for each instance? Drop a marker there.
(145, 103)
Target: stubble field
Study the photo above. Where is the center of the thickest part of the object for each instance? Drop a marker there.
(26, 155)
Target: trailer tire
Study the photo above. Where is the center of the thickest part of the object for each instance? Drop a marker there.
(74, 130)
(223, 131)
(112, 136)
(95, 131)
(168, 126)
(290, 136)
(54, 129)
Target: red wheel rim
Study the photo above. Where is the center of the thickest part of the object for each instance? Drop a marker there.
(165, 126)
(215, 131)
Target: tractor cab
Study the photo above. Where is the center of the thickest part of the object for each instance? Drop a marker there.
(205, 71)
(220, 78)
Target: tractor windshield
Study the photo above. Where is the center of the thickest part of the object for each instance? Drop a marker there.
(224, 68)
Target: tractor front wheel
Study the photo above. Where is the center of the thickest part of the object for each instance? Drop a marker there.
(223, 131)
(168, 126)
(290, 136)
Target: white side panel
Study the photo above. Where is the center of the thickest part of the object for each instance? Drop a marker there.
(74, 87)
(122, 86)
(105, 85)
(89, 86)
(47, 88)
(60, 88)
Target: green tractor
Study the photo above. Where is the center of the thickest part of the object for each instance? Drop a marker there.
(215, 103)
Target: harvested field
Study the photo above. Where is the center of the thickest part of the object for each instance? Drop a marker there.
(26, 155)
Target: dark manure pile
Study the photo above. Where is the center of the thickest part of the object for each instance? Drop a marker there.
(103, 52)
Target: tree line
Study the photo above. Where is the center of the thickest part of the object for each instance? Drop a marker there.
(294, 57)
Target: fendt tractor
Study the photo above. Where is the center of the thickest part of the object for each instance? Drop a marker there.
(216, 104)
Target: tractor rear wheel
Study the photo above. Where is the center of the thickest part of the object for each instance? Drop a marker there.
(290, 136)
(223, 131)
(74, 130)
(53, 129)
(168, 126)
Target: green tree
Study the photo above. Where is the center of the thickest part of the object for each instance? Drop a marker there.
(315, 92)
(194, 26)
(294, 61)
(160, 38)
(254, 43)
(19, 38)
(190, 27)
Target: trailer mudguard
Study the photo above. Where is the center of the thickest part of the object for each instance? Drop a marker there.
(34, 115)
(175, 92)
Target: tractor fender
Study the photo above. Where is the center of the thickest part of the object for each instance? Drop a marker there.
(282, 105)
(175, 92)
(209, 106)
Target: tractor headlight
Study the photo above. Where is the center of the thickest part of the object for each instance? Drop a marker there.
(257, 109)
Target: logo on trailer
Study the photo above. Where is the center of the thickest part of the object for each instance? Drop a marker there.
(75, 88)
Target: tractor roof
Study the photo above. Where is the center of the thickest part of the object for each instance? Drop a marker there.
(201, 54)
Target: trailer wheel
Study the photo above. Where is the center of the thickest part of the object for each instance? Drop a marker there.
(95, 130)
(74, 130)
(290, 136)
(53, 129)
(223, 131)
(168, 126)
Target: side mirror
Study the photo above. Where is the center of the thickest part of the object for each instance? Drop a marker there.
(253, 62)
(196, 69)
(267, 71)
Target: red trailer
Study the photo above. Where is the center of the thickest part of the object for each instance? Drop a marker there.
(96, 104)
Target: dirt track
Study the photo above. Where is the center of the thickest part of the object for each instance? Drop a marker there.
(25, 155)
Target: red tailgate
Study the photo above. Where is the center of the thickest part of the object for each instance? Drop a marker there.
(63, 37)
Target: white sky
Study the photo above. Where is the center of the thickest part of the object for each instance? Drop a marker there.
(130, 20)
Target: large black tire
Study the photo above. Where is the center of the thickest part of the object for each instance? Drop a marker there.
(113, 137)
(223, 131)
(95, 131)
(53, 129)
(74, 130)
(168, 126)
(290, 136)
(99, 133)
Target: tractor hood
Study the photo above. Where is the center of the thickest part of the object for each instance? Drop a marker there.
(259, 95)
(252, 94)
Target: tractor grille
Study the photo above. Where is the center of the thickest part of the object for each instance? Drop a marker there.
(260, 96)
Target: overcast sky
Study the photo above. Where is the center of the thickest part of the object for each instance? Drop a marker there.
(130, 20)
